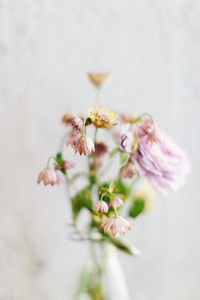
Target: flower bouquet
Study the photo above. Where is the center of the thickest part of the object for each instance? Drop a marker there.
(139, 150)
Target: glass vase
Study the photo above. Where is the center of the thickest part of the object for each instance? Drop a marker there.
(102, 278)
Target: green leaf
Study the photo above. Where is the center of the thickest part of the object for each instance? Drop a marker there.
(81, 200)
(59, 158)
(122, 245)
(114, 151)
(137, 208)
(124, 157)
(88, 121)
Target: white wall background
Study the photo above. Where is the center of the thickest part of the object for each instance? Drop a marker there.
(46, 47)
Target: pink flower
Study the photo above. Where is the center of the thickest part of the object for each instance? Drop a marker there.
(49, 176)
(101, 207)
(163, 163)
(84, 145)
(128, 170)
(115, 225)
(117, 203)
(147, 128)
(76, 132)
(126, 139)
(68, 165)
(77, 124)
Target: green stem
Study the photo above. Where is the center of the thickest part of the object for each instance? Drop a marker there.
(95, 140)
(116, 212)
(48, 162)
(83, 127)
(94, 178)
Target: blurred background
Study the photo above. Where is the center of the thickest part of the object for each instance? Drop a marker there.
(46, 48)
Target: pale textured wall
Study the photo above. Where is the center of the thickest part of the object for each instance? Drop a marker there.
(152, 48)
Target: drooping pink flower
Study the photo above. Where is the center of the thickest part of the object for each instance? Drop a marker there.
(101, 207)
(128, 170)
(162, 162)
(115, 226)
(117, 203)
(126, 139)
(68, 165)
(76, 132)
(49, 176)
(84, 145)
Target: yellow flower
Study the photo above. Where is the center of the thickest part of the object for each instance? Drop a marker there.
(99, 79)
(102, 117)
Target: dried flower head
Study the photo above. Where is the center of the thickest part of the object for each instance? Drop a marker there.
(84, 145)
(117, 203)
(99, 79)
(49, 176)
(100, 149)
(102, 117)
(115, 226)
(67, 118)
(77, 124)
(101, 207)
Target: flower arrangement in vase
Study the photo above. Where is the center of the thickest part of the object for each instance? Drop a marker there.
(144, 151)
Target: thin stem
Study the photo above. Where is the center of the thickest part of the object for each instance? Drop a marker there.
(94, 178)
(95, 135)
(116, 212)
(48, 162)
(83, 127)
(95, 140)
